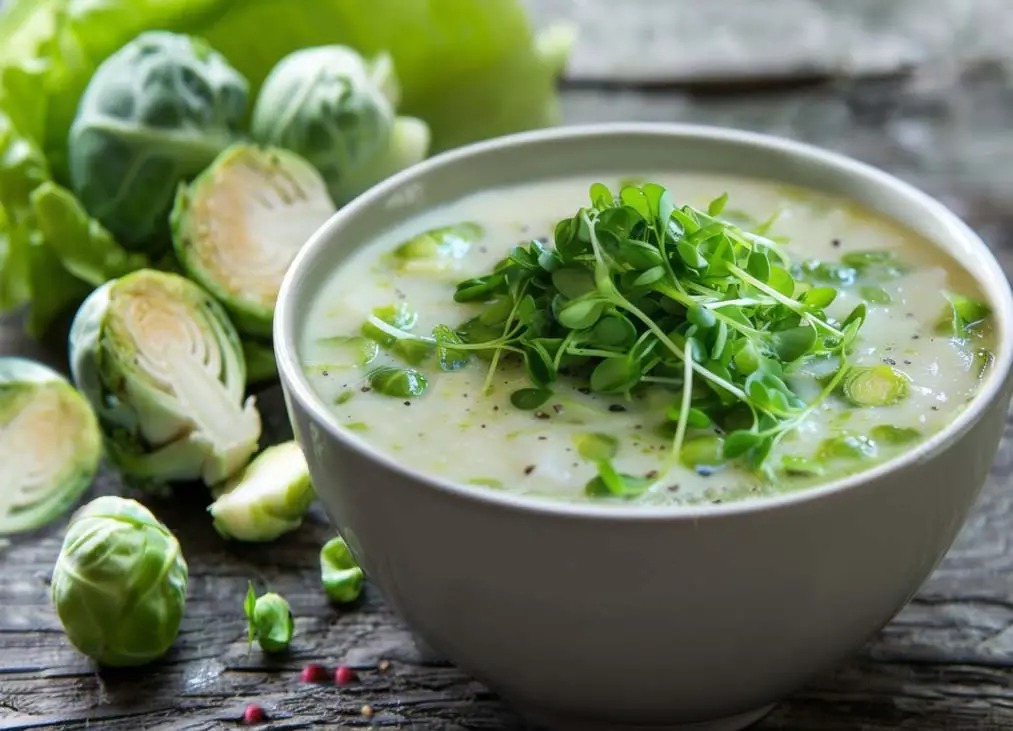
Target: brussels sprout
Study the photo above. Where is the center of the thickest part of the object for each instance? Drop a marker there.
(119, 584)
(879, 385)
(162, 365)
(50, 445)
(266, 499)
(340, 574)
(269, 619)
(155, 113)
(338, 111)
(238, 226)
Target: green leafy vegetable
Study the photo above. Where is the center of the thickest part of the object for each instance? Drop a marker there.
(847, 447)
(436, 249)
(349, 351)
(963, 316)
(50, 445)
(269, 619)
(889, 434)
(155, 113)
(340, 574)
(403, 383)
(266, 499)
(639, 293)
(238, 226)
(162, 365)
(119, 583)
(878, 385)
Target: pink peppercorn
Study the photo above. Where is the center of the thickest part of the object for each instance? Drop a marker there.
(344, 675)
(314, 673)
(253, 714)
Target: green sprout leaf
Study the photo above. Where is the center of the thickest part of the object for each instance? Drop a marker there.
(339, 573)
(963, 316)
(405, 383)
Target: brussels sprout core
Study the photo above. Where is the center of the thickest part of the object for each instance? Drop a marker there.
(162, 365)
(879, 385)
(119, 584)
(237, 228)
(50, 445)
(155, 113)
(266, 499)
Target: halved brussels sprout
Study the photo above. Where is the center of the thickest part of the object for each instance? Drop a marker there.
(878, 385)
(163, 367)
(155, 113)
(50, 445)
(238, 226)
(338, 111)
(266, 499)
(119, 584)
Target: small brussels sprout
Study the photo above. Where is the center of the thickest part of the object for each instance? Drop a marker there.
(340, 574)
(267, 499)
(879, 385)
(338, 111)
(238, 226)
(269, 619)
(155, 113)
(50, 445)
(163, 367)
(119, 584)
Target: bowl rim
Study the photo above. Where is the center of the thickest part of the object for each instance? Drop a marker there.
(297, 386)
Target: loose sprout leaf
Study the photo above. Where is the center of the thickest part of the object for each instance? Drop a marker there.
(846, 447)
(450, 359)
(249, 604)
(529, 399)
(875, 295)
(403, 383)
(878, 385)
(349, 351)
(437, 249)
(889, 434)
(962, 315)
(704, 451)
(596, 447)
(801, 466)
(399, 316)
(340, 575)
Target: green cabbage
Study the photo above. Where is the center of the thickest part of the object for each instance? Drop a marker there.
(470, 69)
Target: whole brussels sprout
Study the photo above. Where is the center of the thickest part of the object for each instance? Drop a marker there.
(162, 365)
(155, 113)
(50, 445)
(119, 584)
(338, 111)
(238, 226)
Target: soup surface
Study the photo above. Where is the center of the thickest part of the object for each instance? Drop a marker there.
(477, 417)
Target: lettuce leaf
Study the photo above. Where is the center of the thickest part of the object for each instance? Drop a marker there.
(471, 69)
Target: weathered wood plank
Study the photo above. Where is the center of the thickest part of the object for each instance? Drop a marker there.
(687, 41)
(946, 662)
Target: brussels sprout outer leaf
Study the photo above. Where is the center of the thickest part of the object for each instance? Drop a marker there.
(119, 584)
(50, 445)
(163, 368)
(238, 226)
(340, 574)
(154, 114)
(268, 498)
(272, 622)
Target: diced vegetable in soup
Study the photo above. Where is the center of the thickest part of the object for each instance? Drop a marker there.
(692, 339)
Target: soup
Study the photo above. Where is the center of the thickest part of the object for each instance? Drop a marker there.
(691, 339)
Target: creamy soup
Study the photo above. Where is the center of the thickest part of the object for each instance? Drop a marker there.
(632, 431)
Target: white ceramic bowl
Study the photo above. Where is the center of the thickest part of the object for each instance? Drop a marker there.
(588, 617)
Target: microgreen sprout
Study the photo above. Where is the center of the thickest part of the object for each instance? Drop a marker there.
(638, 293)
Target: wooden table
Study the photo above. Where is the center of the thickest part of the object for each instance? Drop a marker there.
(946, 662)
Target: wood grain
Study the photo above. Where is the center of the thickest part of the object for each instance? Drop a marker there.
(946, 662)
